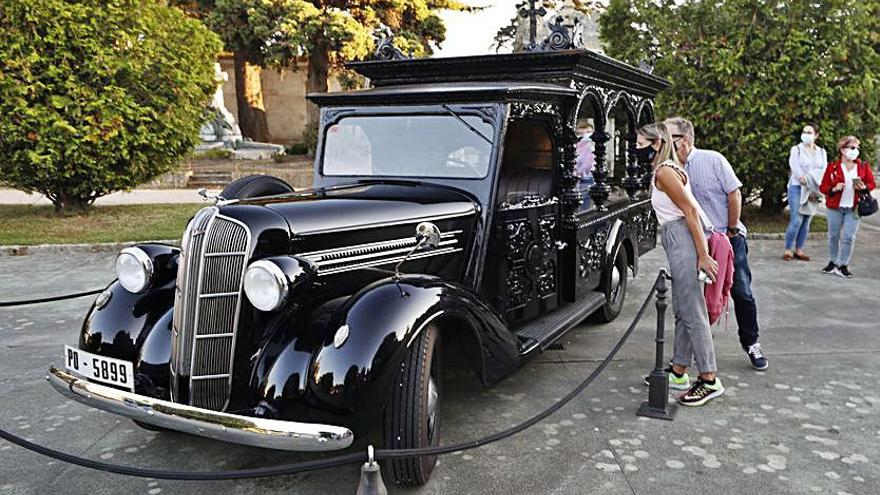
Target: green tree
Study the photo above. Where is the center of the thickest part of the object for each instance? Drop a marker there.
(247, 75)
(751, 73)
(327, 33)
(98, 95)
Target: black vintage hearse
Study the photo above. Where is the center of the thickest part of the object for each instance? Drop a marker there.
(446, 207)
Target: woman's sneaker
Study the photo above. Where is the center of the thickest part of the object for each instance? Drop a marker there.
(701, 392)
(675, 382)
(844, 272)
(830, 268)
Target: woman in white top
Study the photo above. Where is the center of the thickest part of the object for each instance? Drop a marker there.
(807, 162)
(687, 253)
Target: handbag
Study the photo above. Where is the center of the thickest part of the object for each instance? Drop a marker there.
(867, 204)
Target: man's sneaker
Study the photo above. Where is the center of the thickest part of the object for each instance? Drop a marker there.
(844, 272)
(701, 392)
(830, 268)
(675, 383)
(756, 356)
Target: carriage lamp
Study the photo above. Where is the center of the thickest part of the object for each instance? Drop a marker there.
(134, 269)
(268, 282)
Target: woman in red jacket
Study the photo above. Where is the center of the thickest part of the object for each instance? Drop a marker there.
(844, 179)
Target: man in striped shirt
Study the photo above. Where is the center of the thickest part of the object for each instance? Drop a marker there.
(717, 190)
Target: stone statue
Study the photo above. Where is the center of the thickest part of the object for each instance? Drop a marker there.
(221, 128)
(222, 132)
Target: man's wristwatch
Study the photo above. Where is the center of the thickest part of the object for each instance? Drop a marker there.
(733, 230)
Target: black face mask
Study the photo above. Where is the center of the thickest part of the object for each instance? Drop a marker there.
(646, 154)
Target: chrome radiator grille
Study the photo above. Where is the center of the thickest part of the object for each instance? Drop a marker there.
(210, 273)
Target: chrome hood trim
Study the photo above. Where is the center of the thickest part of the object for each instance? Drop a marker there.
(355, 257)
(245, 430)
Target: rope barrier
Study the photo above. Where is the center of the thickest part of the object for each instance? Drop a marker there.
(6, 304)
(341, 460)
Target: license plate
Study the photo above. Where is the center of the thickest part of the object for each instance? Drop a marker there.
(99, 368)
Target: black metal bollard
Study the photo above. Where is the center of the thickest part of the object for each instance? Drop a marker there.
(657, 405)
(371, 477)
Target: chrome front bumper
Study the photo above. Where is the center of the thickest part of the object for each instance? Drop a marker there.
(258, 432)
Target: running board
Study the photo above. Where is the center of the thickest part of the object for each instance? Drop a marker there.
(542, 332)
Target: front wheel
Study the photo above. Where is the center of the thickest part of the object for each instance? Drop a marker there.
(412, 419)
(149, 427)
(615, 288)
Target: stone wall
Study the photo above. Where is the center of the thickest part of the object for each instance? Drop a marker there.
(284, 94)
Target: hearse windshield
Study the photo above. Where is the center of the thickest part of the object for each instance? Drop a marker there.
(449, 145)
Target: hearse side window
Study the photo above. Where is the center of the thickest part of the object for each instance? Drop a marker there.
(585, 158)
(527, 168)
(438, 146)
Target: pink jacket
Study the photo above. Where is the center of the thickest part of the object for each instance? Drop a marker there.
(718, 293)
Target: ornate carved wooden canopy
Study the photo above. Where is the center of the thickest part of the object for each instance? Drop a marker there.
(574, 69)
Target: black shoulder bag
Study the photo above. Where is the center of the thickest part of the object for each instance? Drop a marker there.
(867, 204)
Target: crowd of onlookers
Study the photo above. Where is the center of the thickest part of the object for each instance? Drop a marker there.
(844, 184)
(696, 196)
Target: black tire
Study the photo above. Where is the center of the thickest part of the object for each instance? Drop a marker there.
(255, 186)
(149, 427)
(409, 422)
(615, 293)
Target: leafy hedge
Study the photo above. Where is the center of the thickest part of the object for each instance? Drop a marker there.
(98, 95)
(751, 73)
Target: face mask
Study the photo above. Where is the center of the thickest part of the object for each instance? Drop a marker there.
(646, 154)
(852, 154)
(808, 138)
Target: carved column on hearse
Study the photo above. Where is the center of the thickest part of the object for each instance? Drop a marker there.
(600, 190)
(570, 200)
(633, 181)
(645, 112)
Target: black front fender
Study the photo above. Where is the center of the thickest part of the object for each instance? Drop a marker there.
(382, 320)
(137, 327)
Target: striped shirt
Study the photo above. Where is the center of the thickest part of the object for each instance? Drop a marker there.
(712, 179)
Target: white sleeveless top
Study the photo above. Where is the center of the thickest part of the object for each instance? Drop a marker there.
(664, 207)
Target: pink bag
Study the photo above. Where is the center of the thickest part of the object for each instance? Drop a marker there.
(718, 294)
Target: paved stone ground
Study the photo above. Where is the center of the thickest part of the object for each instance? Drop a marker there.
(809, 424)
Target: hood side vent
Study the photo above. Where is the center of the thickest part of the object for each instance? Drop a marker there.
(348, 258)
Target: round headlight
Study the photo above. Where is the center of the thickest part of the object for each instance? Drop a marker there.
(265, 285)
(134, 269)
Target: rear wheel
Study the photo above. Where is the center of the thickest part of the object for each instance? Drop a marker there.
(255, 186)
(615, 288)
(412, 419)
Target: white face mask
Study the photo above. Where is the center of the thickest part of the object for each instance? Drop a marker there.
(852, 154)
(808, 138)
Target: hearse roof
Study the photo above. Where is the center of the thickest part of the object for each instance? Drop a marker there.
(444, 92)
(563, 67)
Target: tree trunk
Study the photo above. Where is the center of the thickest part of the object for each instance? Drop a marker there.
(249, 97)
(69, 205)
(771, 201)
(319, 72)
